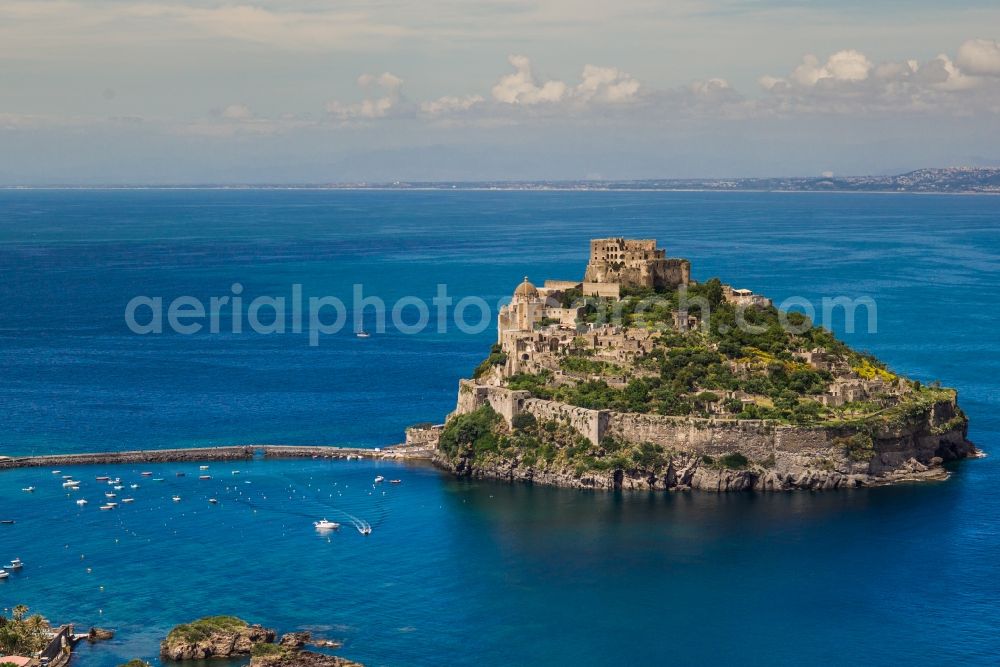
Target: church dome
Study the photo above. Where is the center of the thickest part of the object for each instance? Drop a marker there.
(526, 289)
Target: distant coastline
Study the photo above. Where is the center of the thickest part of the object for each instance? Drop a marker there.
(953, 180)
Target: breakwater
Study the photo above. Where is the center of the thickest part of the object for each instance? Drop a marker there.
(231, 453)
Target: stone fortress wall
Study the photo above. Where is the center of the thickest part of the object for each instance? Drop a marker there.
(756, 439)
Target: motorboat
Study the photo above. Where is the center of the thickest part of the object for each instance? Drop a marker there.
(365, 530)
(379, 479)
(133, 486)
(157, 479)
(146, 474)
(128, 500)
(395, 481)
(28, 489)
(105, 508)
(69, 482)
(81, 502)
(57, 472)
(102, 478)
(213, 501)
(7, 522)
(326, 525)
(363, 334)
(176, 499)
(15, 564)
(109, 494)
(204, 477)
(64, 476)
(236, 472)
(202, 467)
(4, 574)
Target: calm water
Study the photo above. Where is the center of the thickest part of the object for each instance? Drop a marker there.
(458, 573)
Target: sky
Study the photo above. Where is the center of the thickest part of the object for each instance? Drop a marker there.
(307, 91)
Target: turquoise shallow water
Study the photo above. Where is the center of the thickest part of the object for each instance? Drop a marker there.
(454, 572)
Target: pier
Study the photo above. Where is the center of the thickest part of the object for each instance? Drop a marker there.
(401, 452)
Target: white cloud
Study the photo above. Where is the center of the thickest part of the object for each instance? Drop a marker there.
(521, 87)
(849, 65)
(606, 84)
(371, 107)
(451, 104)
(980, 56)
(237, 112)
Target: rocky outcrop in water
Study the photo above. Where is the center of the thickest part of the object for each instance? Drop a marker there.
(214, 637)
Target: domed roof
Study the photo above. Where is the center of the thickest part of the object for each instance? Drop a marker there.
(526, 289)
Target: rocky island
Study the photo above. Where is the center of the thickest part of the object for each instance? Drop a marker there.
(232, 637)
(638, 377)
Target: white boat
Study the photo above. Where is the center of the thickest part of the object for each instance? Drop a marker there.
(28, 489)
(146, 474)
(213, 501)
(128, 500)
(64, 476)
(204, 477)
(4, 574)
(202, 467)
(105, 508)
(102, 478)
(81, 502)
(111, 504)
(118, 487)
(395, 481)
(109, 495)
(68, 483)
(134, 486)
(363, 334)
(326, 525)
(236, 472)
(157, 479)
(365, 530)
(379, 479)
(57, 472)
(15, 564)
(176, 499)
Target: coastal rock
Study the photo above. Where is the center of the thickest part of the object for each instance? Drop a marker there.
(99, 635)
(282, 656)
(294, 639)
(214, 637)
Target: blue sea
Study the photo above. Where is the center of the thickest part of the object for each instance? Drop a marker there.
(456, 572)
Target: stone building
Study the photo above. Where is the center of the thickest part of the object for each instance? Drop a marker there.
(636, 263)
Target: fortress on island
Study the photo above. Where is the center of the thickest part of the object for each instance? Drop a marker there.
(658, 397)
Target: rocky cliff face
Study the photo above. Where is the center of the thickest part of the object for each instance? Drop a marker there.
(911, 447)
(209, 638)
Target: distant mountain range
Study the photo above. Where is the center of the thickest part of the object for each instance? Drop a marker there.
(959, 180)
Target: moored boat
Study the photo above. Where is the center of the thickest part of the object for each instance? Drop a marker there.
(28, 489)
(146, 474)
(81, 502)
(128, 500)
(379, 479)
(4, 574)
(326, 525)
(176, 499)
